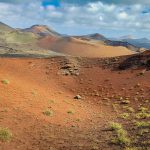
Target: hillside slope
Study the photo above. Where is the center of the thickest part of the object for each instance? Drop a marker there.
(39, 104)
(77, 47)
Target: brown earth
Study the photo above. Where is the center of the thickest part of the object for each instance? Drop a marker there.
(37, 85)
(83, 48)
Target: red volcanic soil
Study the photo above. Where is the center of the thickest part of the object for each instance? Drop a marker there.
(83, 48)
(46, 41)
(37, 85)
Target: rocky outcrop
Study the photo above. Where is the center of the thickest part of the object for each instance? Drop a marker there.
(141, 60)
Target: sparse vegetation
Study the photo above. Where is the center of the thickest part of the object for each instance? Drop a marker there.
(143, 109)
(5, 134)
(129, 109)
(122, 138)
(115, 126)
(124, 116)
(56, 120)
(125, 102)
(70, 111)
(121, 135)
(5, 81)
(142, 124)
(78, 120)
(48, 113)
(142, 115)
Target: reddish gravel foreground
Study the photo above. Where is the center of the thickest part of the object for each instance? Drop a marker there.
(37, 85)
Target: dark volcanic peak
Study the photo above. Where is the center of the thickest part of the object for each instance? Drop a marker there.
(96, 36)
(121, 43)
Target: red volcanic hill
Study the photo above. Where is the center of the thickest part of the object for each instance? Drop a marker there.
(78, 47)
(42, 30)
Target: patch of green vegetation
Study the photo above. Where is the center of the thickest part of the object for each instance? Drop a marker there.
(20, 37)
(122, 138)
(124, 116)
(129, 109)
(78, 120)
(5, 81)
(121, 135)
(48, 113)
(5, 134)
(115, 126)
(70, 112)
(143, 109)
(142, 115)
(142, 124)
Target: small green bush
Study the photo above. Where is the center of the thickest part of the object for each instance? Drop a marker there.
(48, 113)
(124, 116)
(115, 126)
(142, 115)
(122, 138)
(70, 111)
(5, 134)
(142, 124)
(5, 81)
(121, 135)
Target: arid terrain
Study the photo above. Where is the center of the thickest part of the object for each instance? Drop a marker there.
(73, 103)
(72, 92)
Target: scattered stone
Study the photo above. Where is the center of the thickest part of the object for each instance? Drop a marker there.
(125, 102)
(77, 97)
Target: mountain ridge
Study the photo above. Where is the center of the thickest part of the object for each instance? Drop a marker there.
(41, 38)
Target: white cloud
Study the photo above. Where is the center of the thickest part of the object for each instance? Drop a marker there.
(123, 16)
(92, 16)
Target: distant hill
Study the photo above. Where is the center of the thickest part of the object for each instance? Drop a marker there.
(126, 37)
(122, 43)
(140, 43)
(79, 47)
(40, 39)
(5, 28)
(42, 30)
(95, 36)
(143, 42)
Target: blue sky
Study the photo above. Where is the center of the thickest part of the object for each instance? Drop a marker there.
(113, 18)
(55, 3)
